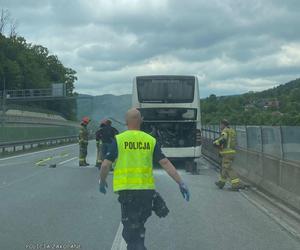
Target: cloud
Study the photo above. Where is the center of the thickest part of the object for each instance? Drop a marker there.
(233, 45)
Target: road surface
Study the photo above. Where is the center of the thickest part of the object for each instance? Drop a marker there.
(61, 208)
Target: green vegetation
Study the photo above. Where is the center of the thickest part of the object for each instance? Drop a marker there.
(277, 106)
(27, 66)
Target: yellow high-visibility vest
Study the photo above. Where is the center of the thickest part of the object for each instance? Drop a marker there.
(133, 170)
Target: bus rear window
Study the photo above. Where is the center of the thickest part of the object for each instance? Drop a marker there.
(166, 90)
(171, 114)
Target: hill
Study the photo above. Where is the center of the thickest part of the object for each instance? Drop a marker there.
(277, 106)
(104, 106)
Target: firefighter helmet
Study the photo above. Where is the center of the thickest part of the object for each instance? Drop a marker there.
(85, 120)
(225, 122)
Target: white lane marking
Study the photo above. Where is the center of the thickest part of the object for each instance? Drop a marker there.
(21, 179)
(119, 243)
(33, 153)
(83, 167)
(80, 167)
(63, 162)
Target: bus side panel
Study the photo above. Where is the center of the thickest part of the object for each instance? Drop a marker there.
(135, 101)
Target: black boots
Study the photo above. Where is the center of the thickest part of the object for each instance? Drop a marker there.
(220, 184)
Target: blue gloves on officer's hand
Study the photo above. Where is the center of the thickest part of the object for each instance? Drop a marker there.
(102, 186)
(185, 191)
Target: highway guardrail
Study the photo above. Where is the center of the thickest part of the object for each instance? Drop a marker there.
(29, 144)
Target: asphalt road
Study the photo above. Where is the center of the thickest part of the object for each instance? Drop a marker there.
(61, 208)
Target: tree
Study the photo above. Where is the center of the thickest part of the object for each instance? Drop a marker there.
(4, 19)
(13, 28)
(27, 66)
(70, 78)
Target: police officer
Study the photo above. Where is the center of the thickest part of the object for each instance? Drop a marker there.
(226, 145)
(107, 135)
(133, 178)
(83, 141)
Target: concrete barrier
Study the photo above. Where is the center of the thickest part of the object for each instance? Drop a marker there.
(14, 112)
(21, 128)
(277, 177)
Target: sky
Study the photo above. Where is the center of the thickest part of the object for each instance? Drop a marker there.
(234, 46)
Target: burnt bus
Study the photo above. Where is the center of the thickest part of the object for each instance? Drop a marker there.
(170, 106)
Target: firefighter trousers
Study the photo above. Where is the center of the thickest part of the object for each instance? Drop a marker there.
(82, 152)
(227, 172)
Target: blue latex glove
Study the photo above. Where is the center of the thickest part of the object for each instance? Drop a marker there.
(185, 191)
(102, 186)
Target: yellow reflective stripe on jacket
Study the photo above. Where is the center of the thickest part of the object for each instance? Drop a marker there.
(227, 152)
(235, 181)
(133, 168)
(135, 181)
(228, 140)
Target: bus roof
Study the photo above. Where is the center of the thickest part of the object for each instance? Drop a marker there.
(162, 76)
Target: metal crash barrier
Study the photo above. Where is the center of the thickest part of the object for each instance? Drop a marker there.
(29, 144)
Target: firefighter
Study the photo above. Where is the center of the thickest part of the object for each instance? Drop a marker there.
(226, 145)
(83, 141)
(99, 157)
(133, 178)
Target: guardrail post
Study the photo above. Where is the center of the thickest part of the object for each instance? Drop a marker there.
(246, 136)
(262, 139)
(281, 143)
(281, 156)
